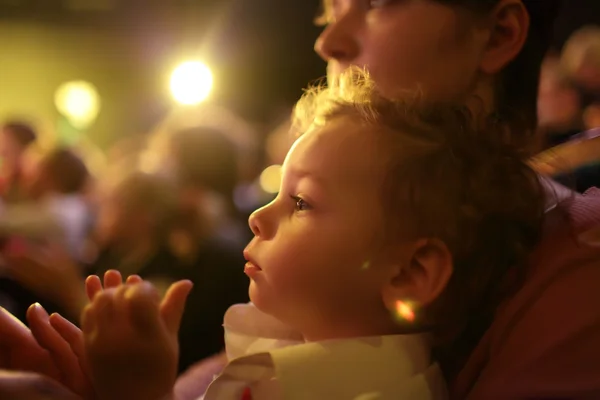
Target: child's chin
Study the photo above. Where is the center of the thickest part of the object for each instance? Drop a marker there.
(257, 297)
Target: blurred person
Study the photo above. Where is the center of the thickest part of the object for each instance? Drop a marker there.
(15, 138)
(559, 104)
(581, 59)
(57, 208)
(205, 160)
(56, 220)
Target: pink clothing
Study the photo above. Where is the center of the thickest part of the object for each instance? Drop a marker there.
(544, 342)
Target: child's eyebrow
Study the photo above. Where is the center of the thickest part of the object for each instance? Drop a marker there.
(298, 174)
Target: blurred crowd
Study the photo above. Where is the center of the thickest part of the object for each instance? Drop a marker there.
(171, 206)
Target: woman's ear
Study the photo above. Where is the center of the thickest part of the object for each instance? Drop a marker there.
(510, 27)
(422, 275)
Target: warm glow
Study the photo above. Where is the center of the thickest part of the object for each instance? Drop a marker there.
(405, 311)
(270, 179)
(191, 83)
(79, 102)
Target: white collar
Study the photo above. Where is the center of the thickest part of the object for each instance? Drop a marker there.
(263, 349)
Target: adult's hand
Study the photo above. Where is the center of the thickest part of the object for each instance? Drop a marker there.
(41, 350)
(19, 349)
(63, 341)
(30, 386)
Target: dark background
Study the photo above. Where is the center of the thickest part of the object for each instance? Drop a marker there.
(260, 52)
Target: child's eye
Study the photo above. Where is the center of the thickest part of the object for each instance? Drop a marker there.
(301, 204)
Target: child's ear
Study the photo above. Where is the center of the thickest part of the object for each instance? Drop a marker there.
(422, 275)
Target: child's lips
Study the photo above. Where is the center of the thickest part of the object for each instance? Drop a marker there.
(251, 269)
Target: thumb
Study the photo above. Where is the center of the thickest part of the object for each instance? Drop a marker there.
(173, 304)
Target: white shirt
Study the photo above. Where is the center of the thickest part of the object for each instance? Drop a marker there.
(276, 364)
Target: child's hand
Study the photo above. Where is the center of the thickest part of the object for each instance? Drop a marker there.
(130, 340)
(112, 279)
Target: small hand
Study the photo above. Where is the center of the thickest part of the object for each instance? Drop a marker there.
(112, 279)
(130, 340)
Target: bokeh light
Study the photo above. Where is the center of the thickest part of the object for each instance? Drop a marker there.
(405, 311)
(270, 179)
(191, 83)
(79, 102)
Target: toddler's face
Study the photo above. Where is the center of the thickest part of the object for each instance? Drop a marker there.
(313, 259)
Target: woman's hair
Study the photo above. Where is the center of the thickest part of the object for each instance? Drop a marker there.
(516, 88)
(450, 176)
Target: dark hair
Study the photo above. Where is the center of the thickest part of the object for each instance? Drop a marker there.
(205, 157)
(67, 171)
(22, 132)
(156, 195)
(450, 176)
(517, 86)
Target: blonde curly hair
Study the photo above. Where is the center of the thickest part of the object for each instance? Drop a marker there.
(453, 175)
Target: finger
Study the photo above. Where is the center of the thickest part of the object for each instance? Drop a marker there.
(143, 302)
(105, 309)
(70, 333)
(98, 315)
(134, 279)
(93, 286)
(112, 279)
(74, 337)
(65, 360)
(88, 320)
(173, 305)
